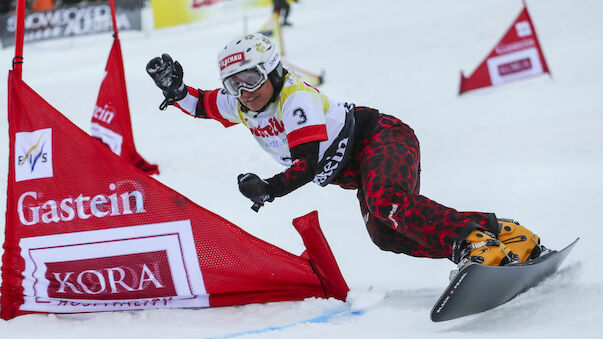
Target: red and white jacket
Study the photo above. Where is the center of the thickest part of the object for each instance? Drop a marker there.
(299, 115)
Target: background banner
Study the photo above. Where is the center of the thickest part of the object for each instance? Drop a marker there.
(168, 13)
(72, 21)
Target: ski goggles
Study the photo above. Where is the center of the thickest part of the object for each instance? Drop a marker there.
(249, 79)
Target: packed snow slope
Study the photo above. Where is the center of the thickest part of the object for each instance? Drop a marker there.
(530, 150)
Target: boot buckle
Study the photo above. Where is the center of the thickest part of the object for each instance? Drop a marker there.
(512, 257)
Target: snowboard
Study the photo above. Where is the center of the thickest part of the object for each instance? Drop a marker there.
(477, 288)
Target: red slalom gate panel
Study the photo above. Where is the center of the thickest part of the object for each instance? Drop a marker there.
(87, 231)
(111, 122)
(517, 55)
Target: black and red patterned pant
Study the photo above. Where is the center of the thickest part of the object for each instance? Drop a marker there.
(385, 168)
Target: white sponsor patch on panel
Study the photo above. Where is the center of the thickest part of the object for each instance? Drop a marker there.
(135, 267)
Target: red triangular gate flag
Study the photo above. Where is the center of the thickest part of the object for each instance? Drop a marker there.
(517, 55)
(111, 116)
(87, 232)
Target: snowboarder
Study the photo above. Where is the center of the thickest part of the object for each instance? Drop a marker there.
(284, 7)
(328, 142)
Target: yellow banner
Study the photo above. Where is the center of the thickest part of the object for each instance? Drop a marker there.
(168, 13)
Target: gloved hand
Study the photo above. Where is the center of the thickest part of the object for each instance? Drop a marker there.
(167, 75)
(254, 188)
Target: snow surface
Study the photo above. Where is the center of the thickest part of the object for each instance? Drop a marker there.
(530, 150)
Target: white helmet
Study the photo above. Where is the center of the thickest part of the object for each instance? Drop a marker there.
(253, 52)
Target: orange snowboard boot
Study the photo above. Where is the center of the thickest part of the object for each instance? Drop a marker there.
(482, 248)
(518, 239)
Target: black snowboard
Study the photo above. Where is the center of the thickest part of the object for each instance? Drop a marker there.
(477, 288)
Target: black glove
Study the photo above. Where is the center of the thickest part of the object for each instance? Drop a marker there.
(167, 75)
(254, 188)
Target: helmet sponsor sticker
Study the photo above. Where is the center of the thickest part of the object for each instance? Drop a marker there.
(272, 63)
(231, 59)
(33, 154)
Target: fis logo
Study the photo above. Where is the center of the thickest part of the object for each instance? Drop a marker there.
(33, 154)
